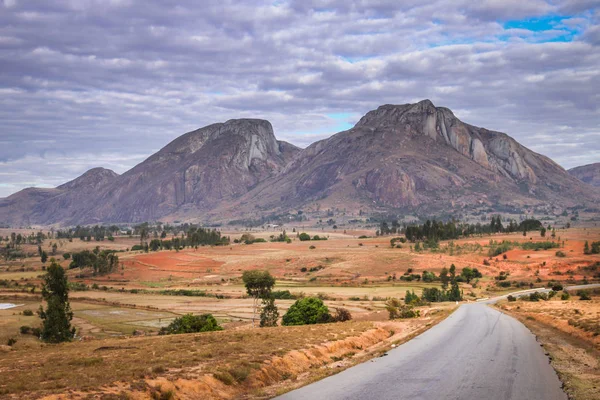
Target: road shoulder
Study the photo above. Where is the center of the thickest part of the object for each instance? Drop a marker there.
(576, 360)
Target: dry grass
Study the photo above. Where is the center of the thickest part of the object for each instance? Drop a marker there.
(568, 331)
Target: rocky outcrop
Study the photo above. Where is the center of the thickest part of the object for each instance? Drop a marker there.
(589, 174)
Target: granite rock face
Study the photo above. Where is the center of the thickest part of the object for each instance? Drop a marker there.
(397, 158)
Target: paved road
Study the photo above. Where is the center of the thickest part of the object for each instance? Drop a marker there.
(475, 353)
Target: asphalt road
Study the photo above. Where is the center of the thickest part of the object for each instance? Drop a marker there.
(476, 353)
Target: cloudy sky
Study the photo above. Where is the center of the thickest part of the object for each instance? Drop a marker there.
(86, 83)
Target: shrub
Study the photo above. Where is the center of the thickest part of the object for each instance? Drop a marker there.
(511, 298)
(283, 295)
(11, 341)
(557, 287)
(312, 247)
(310, 310)
(25, 330)
(560, 254)
(341, 315)
(190, 323)
(398, 310)
(304, 236)
(28, 313)
(584, 295)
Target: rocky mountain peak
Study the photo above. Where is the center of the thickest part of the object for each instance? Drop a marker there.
(91, 178)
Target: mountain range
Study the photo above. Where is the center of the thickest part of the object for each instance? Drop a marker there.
(396, 159)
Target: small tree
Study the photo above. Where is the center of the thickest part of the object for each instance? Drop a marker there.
(259, 285)
(444, 278)
(586, 248)
(44, 257)
(269, 313)
(543, 232)
(56, 319)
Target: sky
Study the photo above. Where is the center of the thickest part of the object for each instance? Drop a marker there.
(106, 83)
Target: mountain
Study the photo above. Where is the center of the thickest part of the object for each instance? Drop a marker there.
(194, 172)
(416, 157)
(589, 174)
(411, 157)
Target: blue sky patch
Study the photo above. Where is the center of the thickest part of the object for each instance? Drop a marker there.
(545, 24)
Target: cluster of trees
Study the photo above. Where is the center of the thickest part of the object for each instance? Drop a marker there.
(17, 239)
(194, 237)
(450, 280)
(437, 230)
(594, 249)
(87, 233)
(102, 262)
(467, 275)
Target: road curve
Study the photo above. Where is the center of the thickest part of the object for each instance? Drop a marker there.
(475, 353)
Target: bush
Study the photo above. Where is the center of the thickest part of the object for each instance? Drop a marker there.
(28, 313)
(565, 296)
(310, 310)
(560, 254)
(557, 287)
(25, 330)
(511, 298)
(304, 236)
(312, 247)
(584, 295)
(341, 315)
(398, 310)
(190, 323)
(11, 341)
(283, 295)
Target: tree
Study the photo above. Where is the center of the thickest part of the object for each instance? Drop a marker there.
(468, 274)
(56, 319)
(307, 311)
(269, 313)
(586, 248)
(44, 257)
(455, 293)
(452, 272)
(543, 232)
(444, 278)
(259, 285)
